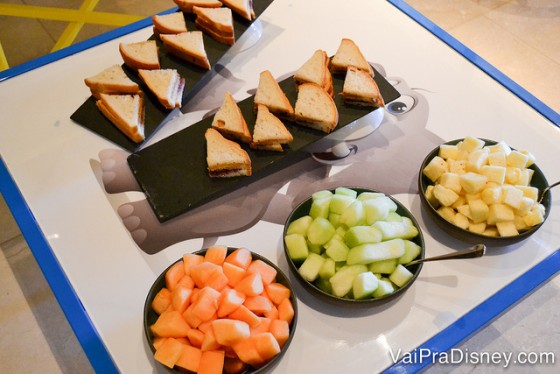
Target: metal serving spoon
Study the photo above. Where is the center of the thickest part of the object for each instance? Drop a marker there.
(475, 251)
(338, 152)
(546, 190)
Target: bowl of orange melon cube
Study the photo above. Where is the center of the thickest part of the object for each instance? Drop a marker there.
(484, 191)
(220, 310)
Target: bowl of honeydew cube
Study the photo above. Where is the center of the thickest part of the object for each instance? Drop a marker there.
(351, 246)
(484, 191)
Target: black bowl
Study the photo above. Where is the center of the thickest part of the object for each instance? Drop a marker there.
(538, 180)
(150, 316)
(303, 209)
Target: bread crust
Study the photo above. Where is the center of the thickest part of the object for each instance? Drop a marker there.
(326, 125)
(228, 39)
(133, 62)
(133, 132)
(184, 54)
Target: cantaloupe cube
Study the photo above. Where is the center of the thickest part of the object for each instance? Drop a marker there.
(218, 281)
(247, 352)
(451, 181)
(161, 301)
(216, 254)
(251, 284)
(507, 228)
(229, 301)
(174, 274)
(277, 292)
(233, 272)
(286, 310)
(267, 345)
(263, 326)
(169, 352)
(230, 331)
(258, 304)
(244, 314)
(190, 318)
(272, 313)
(190, 259)
(241, 257)
(195, 337)
(180, 298)
(267, 272)
(206, 305)
(210, 341)
(202, 272)
(186, 281)
(435, 168)
(190, 358)
(170, 324)
(233, 365)
(211, 362)
(157, 341)
(280, 329)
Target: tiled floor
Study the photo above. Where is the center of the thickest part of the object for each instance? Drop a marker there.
(519, 37)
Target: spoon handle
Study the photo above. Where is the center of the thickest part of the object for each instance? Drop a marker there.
(471, 252)
(548, 189)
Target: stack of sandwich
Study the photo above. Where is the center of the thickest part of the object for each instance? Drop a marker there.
(172, 23)
(242, 7)
(188, 5)
(216, 22)
(188, 46)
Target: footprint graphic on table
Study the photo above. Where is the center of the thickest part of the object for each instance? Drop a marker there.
(388, 160)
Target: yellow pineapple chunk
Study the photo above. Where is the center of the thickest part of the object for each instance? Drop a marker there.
(499, 213)
(451, 181)
(477, 159)
(435, 168)
(512, 196)
(495, 174)
(497, 158)
(447, 151)
(534, 217)
(457, 166)
(447, 213)
(444, 195)
(491, 195)
(461, 221)
(513, 175)
(470, 144)
(477, 228)
(517, 159)
(524, 178)
(520, 223)
(430, 196)
(460, 201)
(530, 192)
(532, 159)
(472, 182)
(525, 206)
(501, 146)
(507, 228)
(490, 231)
(465, 210)
(479, 210)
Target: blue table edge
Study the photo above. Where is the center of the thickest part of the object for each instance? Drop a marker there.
(83, 327)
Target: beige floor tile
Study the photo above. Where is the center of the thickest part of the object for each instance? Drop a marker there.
(35, 338)
(8, 226)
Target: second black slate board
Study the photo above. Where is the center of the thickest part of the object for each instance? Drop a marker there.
(173, 172)
(90, 117)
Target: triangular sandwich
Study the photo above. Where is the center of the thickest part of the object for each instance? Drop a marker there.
(166, 84)
(225, 158)
(270, 94)
(111, 80)
(126, 112)
(349, 54)
(140, 55)
(315, 108)
(187, 5)
(230, 121)
(269, 132)
(242, 7)
(172, 23)
(188, 46)
(360, 88)
(316, 70)
(216, 22)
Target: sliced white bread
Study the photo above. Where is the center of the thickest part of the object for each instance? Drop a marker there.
(229, 121)
(270, 94)
(316, 70)
(187, 5)
(225, 158)
(172, 23)
(111, 80)
(140, 55)
(188, 46)
(166, 84)
(269, 131)
(126, 112)
(360, 88)
(220, 19)
(242, 7)
(349, 54)
(315, 108)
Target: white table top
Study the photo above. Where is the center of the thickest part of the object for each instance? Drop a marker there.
(55, 165)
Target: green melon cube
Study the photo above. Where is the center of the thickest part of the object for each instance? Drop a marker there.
(378, 209)
(339, 202)
(394, 217)
(396, 230)
(400, 276)
(334, 219)
(411, 251)
(343, 279)
(368, 253)
(346, 191)
(353, 215)
(299, 226)
(314, 248)
(341, 231)
(320, 208)
(336, 249)
(361, 235)
(309, 270)
(328, 269)
(384, 287)
(320, 231)
(296, 246)
(364, 285)
(384, 266)
(321, 194)
(324, 285)
(369, 195)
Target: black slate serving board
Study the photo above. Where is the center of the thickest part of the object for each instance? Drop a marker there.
(173, 172)
(90, 117)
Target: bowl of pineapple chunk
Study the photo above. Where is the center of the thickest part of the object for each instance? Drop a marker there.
(483, 191)
(351, 246)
